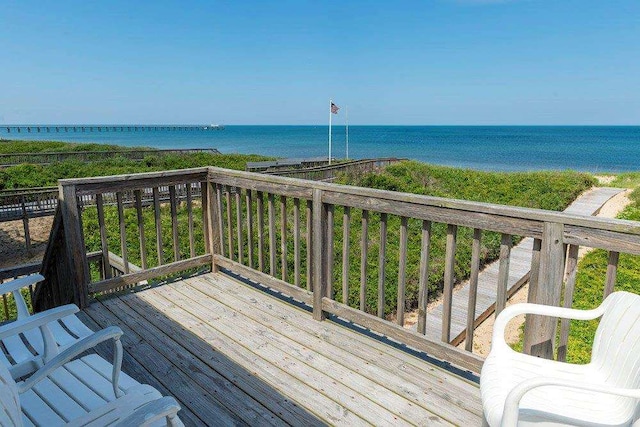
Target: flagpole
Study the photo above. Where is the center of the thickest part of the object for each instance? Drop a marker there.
(346, 115)
(330, 113)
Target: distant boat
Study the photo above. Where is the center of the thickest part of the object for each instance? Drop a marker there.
(214, 127)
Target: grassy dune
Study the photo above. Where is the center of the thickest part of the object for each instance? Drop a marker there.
(30, 175)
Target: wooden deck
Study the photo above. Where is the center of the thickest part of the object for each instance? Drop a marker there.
(235, 355)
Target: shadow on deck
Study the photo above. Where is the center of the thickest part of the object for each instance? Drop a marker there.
(232, 354)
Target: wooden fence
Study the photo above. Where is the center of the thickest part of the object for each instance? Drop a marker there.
(306, 239)
(38, 202)
(329, 172)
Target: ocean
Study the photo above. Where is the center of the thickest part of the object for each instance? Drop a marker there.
(597, 149)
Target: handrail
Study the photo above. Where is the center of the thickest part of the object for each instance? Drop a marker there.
(285, 232)
(618, 225)
(343, 165)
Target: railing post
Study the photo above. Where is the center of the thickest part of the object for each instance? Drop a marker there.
(540, 332)
(317, 254)
(210, 206)
(74, 242)
(25, 223)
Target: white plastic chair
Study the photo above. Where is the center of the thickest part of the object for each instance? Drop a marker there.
(85, 391)
(519, 389)
(63, 330)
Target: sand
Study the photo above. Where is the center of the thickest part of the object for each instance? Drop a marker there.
(12, 246)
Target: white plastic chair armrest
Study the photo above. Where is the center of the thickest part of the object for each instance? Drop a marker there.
(165, 407)
(20, 283)
(511, 405)
(37, 320)
(545, 310)
(112, 332)
(15, 287)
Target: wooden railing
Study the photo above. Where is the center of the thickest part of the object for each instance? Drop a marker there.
(331, 247)
(329, 172)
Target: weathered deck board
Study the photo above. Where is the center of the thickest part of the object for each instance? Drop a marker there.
(135, 369)
(589, 203)
(221, 346)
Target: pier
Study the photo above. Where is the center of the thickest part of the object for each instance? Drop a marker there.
(107, 128)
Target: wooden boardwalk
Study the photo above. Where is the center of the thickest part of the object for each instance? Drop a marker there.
(234, 355)
(589, 203)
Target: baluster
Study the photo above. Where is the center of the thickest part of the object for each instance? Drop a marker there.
(141, 237)
(207, 196)
(260, 208)
(449, 279)
(156, 211)
(473, 288)
(174, 222)
(103, 237)
(283, 237)
(227, 197)
(330, 251)
(309, 215)
(192, 248)
(381, 263)
(402, 270)
(364, 246)
(123, 233)
(239, 233)
(272, 234)
(220, 214)
(346, 226)
(249, 202)
(503, 272)
(296, 242)
(423, 293)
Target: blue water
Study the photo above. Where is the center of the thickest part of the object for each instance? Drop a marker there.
(505, 148)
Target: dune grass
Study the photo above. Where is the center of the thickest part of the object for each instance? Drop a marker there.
(550, 190)
(9, 146)
(28, 175)
(626, 180)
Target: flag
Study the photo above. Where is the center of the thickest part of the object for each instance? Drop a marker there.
(334, 108)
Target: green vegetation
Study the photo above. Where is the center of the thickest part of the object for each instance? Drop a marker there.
(592, 270)
(626, 180)
(8, 146)
(545, 190)
(29, 175)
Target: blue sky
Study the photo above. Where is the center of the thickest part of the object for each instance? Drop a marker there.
(278, 62)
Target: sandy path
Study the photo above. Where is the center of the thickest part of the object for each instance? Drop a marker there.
(12, 247)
